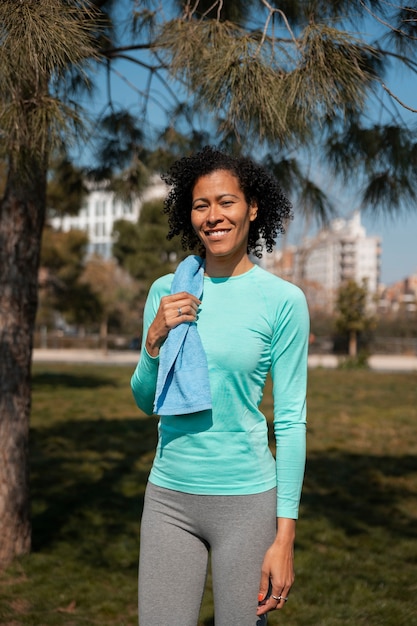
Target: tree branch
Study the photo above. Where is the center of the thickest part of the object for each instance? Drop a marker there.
(188, 11)
(389, 92)
(147, 66)
(387, 24)
(113, 52)
(153, 70)
(219, 9)
(272, 10)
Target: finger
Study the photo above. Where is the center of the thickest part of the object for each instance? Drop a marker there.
(269, 604)
(186, 307)
(178, 299)
(184, 312)
(263, 587)
(185, 296)
(279, 600)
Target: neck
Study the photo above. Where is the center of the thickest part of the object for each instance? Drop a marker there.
(219, 267)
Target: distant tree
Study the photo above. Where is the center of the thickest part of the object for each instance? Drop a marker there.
(143, 248)
(63, 254)
(93, 293)
(61, 288)
(114, 289)
(352, 313)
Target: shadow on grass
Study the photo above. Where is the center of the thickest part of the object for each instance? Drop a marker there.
(74, 381)
(357, 493)
(88, 480)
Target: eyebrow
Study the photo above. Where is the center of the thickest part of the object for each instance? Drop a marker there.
(222, 195)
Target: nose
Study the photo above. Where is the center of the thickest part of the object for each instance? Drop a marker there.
(214, 215)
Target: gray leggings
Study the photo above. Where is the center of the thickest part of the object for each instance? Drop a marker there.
(177, 532)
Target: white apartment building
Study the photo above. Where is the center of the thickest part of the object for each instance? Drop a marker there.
(100, 210)
(336, 254)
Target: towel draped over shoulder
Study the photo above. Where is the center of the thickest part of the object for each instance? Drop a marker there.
(183, 383)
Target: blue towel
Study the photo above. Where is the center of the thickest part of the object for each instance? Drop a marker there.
(183, 384)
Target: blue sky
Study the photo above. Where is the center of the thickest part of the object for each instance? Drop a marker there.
(399, 245)
(399, 235)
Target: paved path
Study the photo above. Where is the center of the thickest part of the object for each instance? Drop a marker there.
(379, 362)
(111, 357)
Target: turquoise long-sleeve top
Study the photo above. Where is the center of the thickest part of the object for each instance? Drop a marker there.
(249, 324)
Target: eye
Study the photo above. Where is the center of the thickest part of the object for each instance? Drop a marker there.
(199, 207)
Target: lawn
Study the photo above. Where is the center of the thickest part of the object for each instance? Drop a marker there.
(91, 449)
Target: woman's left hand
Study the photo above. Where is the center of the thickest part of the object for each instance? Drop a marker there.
(277, 575)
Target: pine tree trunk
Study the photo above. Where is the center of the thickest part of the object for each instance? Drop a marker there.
(22, 213)
(353, 344)
(104, 335)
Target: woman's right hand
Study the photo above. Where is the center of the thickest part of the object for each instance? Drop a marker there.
(173, 310)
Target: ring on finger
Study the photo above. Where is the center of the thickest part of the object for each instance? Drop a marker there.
(179, 311)
(279, 598)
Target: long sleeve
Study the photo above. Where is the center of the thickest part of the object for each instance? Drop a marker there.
(289, 374)
(143, 381)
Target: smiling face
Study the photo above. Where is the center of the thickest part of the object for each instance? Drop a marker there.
(221, 216)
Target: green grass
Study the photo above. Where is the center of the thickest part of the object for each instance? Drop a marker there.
(91, 450)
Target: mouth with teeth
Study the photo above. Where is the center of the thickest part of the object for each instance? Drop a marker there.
(216, 234)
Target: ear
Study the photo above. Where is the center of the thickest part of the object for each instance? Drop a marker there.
(253, 211)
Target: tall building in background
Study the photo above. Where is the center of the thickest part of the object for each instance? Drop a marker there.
(101, 208)
(338, 253)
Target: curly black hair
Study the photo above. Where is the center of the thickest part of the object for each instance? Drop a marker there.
(257, 184)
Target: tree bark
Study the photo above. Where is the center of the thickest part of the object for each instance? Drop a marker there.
(104, 335)
(22, 214)
(353, 344)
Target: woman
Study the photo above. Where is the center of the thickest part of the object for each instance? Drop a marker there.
(214, 485)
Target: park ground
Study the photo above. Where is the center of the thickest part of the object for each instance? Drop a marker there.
(90, 454)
